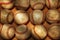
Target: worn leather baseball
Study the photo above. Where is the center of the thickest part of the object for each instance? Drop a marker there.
(6, 16)
(53, 16)
(22, 4)
(7, 31)
(52, 3)
(22, 32)
(39, 32)
(37, 4)
(5, 1)
(54, 31)
(37, 17)
(21, 17)
(7, 6)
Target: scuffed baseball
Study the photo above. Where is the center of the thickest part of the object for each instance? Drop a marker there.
(54, 31)
(22, 32)
(21, 17)
(37, 4)
(7, 6)
(52, 3)
(53, 16)
(39, 32)
(37, 17)
(7, 31)
(22, 4)
(6, 16)
(5, 1)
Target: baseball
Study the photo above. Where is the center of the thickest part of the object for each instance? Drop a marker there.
(37, 17)
(52, 3)
(22, 4)
(21, 17)
(54, 31)
(52, 16)
(37, 4)
(7, 31)
(6, 16)
(39, 32)
(5, 1)
(22, 32)
(7, 6)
